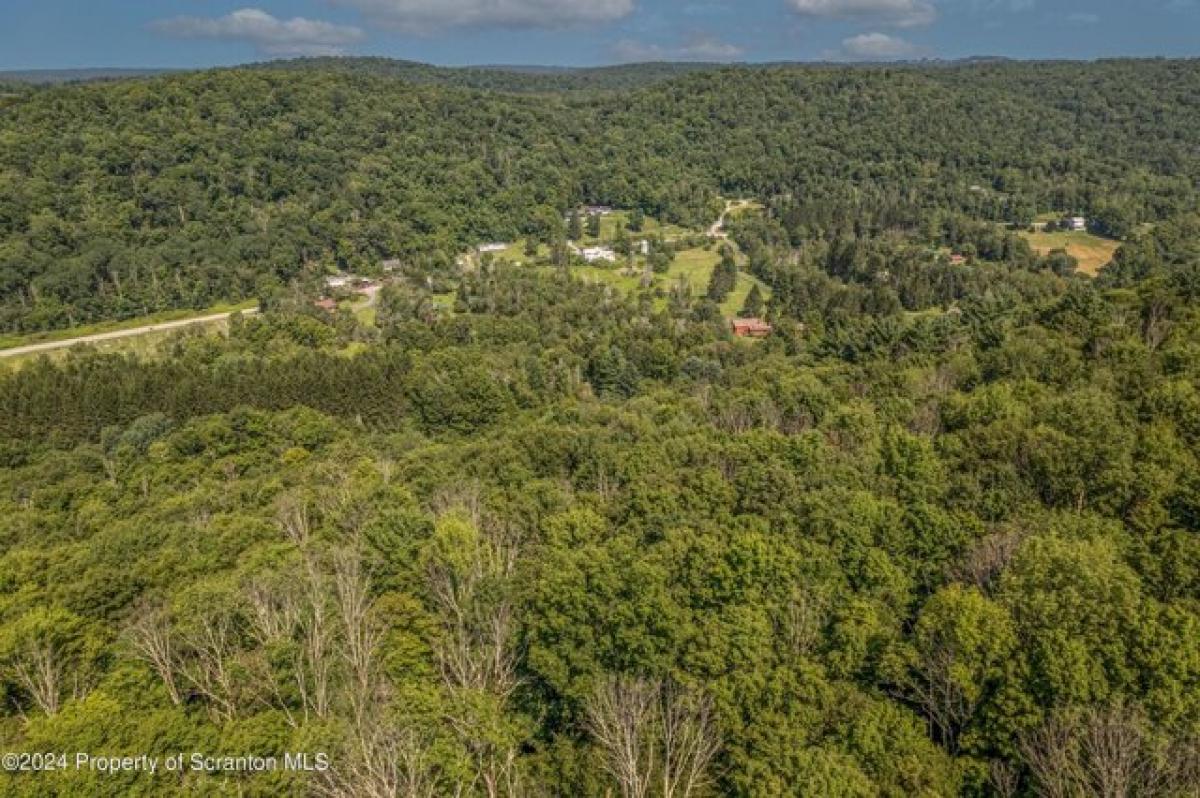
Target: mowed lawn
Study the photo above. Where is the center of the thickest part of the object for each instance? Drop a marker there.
(693, 265)
(1093, 252)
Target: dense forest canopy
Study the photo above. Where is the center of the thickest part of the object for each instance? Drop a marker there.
(518, 532)
(119, 199)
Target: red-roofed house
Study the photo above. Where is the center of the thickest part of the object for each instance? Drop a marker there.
(750, 328)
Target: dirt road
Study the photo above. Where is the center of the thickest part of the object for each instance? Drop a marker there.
(30, 349)
(718, 228)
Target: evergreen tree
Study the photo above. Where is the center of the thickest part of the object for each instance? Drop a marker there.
(724, 277)
(637, 220)
(753, 306)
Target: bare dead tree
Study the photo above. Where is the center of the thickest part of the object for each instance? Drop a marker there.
(988, 557)
(1112, 748)
(466, 497)
(392, 763)
(1109, 752)
(800, 621)
(152, 640)
(38, 666)
(315, 671)
(360, 634)
(292, 516)
(1004, 777)
(934, 684)
(294, 618)
(273, 611)
(1184, 758)
(620, 717)
(472, 593)
(208, 652)
(1156, 321)
(690, 741)
(651, 731)
(1050, 752)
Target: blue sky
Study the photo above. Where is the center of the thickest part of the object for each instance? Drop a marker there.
(46, 34)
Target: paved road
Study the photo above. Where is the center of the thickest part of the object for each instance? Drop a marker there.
(31, 349)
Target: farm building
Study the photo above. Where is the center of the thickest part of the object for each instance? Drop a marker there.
(484, 249)
(597, 210)
(750, 328)
(1077, 223)
(593, 254)
(957, 260)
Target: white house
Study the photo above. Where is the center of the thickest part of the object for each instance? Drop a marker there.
(1075, 223)
(496, 247)
(337, 281)
(593, 254)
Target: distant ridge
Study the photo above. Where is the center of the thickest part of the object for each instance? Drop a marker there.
(512, 78)
(51, 76)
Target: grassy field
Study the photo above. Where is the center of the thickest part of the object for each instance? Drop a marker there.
(12, 341)
(612, 222)
(146, 345)
(694, 265)
(1092, 252)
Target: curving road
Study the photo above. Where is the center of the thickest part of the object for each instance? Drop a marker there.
(164, 326)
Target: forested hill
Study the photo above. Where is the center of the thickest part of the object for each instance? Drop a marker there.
(517, 523)
(500, 77)
(118, 199)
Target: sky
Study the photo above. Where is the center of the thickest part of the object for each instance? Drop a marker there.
(62, 34)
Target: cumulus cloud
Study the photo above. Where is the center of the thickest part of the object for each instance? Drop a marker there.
(272, 36)
(901, 13)
(697, 47)
(878, 47)
(428, 16)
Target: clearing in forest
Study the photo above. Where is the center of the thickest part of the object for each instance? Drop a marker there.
(1093, 252)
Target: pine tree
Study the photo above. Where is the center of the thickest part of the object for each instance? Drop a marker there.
(753, 306)
(575, 227)
(637, 220)
(724, 278)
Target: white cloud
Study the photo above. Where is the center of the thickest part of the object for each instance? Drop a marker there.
(901, 13)
(878, 47)
(272, 36)
(697, 47)
(427, 16)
